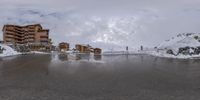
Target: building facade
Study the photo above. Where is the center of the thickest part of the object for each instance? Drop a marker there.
(32, 35)
(83, 48)
(97, 51)
(63, 47)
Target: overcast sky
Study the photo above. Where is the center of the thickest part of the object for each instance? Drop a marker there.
(106, 23)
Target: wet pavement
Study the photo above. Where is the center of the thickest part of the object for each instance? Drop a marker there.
(84, 77)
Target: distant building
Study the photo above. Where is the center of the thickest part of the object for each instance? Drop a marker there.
(97, 51)
(33, 36)
(63, 47)
(81, 48)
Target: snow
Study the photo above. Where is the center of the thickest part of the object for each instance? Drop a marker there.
(180, 41)
(163, 54)
(70, 52)
(8, 51)
(39, 52)
(115, 52)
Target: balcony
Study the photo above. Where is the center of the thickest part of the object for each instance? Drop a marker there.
(12, 37)
(45, 36)
(31, 36)
(14, 33)
(19, 30)
(31, 29)
(31, 33)
(18, 38)
(44, 39)
(20, 35)
(9, 35)
(30, 40)
(10, 31)
(9, 39)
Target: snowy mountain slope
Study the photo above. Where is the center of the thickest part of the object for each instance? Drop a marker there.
(183, 46)
(8, 51)
(182, 40)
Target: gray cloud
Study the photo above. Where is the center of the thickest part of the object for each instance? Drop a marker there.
(106, 23)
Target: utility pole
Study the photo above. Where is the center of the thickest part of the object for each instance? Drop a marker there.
(126, 49)
(141, 48)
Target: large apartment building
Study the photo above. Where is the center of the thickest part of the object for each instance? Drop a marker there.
(32, 35)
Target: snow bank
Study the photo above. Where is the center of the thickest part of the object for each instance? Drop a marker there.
(115, 52)
(38, 52)
(8, 51)
(133, 52)
(163, 54)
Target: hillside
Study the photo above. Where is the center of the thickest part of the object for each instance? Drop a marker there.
(182, 40)
(186, 45)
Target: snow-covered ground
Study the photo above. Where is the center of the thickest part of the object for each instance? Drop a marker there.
(154, 52)
(163, 54)
(135, 52)
(39, 52)
(8, 51)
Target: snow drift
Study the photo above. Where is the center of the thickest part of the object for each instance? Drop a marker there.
(7, 51)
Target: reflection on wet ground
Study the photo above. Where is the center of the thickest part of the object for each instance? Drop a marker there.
(89, 77)
(67, 57)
